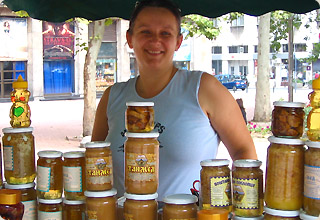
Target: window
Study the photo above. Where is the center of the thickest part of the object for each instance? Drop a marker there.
(243, 70)
(300, 47)
(217, 66)
(239, 22)
(232, 70)
(215, 22)
(256, 48)
(285, 48)
(233, 49)
(238, 49)
(217, 50)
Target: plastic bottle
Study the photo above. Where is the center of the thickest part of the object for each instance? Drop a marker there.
(313, 122)
(20, 111)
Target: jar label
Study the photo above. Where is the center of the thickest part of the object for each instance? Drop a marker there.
(30, 208)
(43, 178)
(50, 215)
(246, 193)
(72, 179)
(99, 170)
(311, 182)
(220, 191)
(141, 167)
(8, 157)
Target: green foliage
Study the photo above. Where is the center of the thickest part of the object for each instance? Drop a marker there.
(314, 54)
(22, 14)
(260, 129)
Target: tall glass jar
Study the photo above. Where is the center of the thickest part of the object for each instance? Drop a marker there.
(50, 209)
(139, 116)
(284, 174)
(180, 206)
(141, 163)
(275, 214)
(73, 210)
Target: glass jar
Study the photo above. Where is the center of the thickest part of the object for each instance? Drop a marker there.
(141, 163)
(284, 175)
(1, 178)
(18, 155)
(180, 206)
(28, 199)
(140, 206)
(50, 209)
(247, 179)
(244, 218)
(49, 175)
(287, 119)
(73, 209)
(101, 205)
(212, 214)
(311, 199)
(304, 216)
(139, 116)
(73, 175)
(11, 207)
(313, 120)
(99, 172)
(275, 214)
(215, 184)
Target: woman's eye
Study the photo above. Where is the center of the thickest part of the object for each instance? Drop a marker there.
(165, 33)
(145, 32)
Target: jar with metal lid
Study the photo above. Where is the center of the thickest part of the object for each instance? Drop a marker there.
(99, 172)
(11, 207)
(49, 175)
(247, 179)
(284, 175)
(287, 119)
(73, 210)
(28, 199)
(73, 175)
(140, 206)
(101, 205)
(305, 216)
(180, 206)
(139, 116)
(275, 214)
(311, 197)
(18, 155)
(215, 184)
(141, 163)
(211, 214)
(50, 209)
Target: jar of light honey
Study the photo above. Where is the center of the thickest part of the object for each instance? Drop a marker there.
(50, 209)
(73, 209)
(139, 116)
(141, 163)
(180, 206)
(49, 175)
(275, 214)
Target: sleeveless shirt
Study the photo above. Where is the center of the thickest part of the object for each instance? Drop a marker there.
(186, 136)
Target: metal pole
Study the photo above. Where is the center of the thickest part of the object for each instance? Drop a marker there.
(290, 58)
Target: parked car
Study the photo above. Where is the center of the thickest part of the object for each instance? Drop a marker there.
(233, 82)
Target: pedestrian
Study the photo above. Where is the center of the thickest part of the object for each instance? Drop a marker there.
(193, 110)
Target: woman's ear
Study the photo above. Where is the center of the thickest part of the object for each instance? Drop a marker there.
(179, 41)
(129, 39)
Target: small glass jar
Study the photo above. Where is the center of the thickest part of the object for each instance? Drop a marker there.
(73, 175)
(139, 116)
(275, 214)
(215, 184)
(73, 209)
(180, 206)
(140, 206)
(141, 163)
(101, 205)
(18, 155)
(247, 179)
(305, 216)
(284, 175)
(99, 172)
(28, 199)
(50, 209)
(287, 119)
(49, 175)
(11, 207)
(211, 214)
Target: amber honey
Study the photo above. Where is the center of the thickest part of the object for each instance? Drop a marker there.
(139, 116)
(180, 206)
(73, 209)
(50, 209)
(140, 206)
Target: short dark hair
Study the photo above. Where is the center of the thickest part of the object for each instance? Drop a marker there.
(167, 4)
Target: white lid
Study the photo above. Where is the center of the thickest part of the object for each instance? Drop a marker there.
(289, 104)
(287, 141)
(313, 144)
(73, 202)
(304, 216)
(214, 162)
(50, 201)
(97, 144)
(281, 213)
(142, 135)
(73, 154)
(141, 197)
(139, 103)
(17, 130)
(180, 199)
(99, 194)
(244, 218)
(19, 186)
(50, 153)
(247, 163)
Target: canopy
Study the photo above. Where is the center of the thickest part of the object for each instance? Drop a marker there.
(62, 10)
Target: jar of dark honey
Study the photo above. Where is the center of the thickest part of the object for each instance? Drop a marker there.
(139, 116)
(11, 207)
(180, 206)
(50, 209)
(73, 209)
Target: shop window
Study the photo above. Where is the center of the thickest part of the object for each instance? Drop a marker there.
(106, 69)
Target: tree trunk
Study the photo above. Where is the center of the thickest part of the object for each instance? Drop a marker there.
(90, 77)
(262, 111)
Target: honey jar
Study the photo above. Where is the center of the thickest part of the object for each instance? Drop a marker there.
(305, 216)
(73, 210)
(101, 205)
(244, 218)
(140, 206)
(275, 214)
(18, 155)
(284, 175)
(180, 206)
(215, 184)
(49, 175)
(99, 172)
(313, 120)
(139, 116)
(50, 209)
(10, 204)
(247, 179)
(141, 163)
(73, 175)
(287, 119)
(212, 214)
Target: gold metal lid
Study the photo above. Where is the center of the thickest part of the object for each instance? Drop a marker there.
(9, 196)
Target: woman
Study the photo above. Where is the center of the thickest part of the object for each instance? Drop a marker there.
(193, 111)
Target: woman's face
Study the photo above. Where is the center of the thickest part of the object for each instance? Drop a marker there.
(155, 37)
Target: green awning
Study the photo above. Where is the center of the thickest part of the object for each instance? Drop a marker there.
(61, 10)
